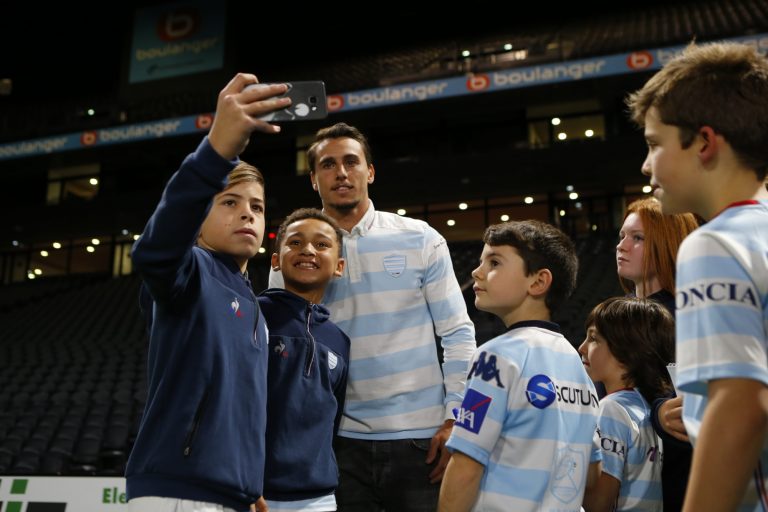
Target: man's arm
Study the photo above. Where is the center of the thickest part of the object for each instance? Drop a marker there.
(461, 484)
(452, 324)
(457, 333)
(732, 434)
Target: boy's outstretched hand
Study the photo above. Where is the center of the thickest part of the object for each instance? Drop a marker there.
(238, 112)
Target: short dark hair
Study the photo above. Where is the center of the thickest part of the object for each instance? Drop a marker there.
(338, 131)
(640, 334)
(541, 246)
(309, 213)
(721, 85)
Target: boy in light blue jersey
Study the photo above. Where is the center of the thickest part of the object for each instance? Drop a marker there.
(705, 116)
(523, 437)
(628, 345)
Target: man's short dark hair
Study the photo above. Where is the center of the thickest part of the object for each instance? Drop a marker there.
(338, 131)
(541, 246)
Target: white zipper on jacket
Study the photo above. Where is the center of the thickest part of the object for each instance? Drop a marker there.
(311, 358)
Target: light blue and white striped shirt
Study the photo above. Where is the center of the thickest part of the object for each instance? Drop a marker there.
(631, 449)
(529, 417)
(399, 290)
(722, 317)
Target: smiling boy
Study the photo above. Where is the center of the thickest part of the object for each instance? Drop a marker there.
(308, 359)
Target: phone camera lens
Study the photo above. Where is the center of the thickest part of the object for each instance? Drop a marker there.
(313, 99)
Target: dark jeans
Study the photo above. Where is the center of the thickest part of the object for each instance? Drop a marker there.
(376, 476)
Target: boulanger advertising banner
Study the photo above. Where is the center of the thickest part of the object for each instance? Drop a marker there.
(62, 494)
(478, 83)
(107, 136)
(177, 39)
(518, 77)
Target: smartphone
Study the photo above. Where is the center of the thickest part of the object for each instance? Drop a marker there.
(307, 102)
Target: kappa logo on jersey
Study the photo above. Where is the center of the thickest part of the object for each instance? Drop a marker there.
(486, 370)
(473, 410)
(703, 294)
(541, 391)
(394, 264)
(236, 308)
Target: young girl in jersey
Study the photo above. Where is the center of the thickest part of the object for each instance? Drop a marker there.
(647, 248)
(628, 344)
(645, 261)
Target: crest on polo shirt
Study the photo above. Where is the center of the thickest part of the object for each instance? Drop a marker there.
(394, 264)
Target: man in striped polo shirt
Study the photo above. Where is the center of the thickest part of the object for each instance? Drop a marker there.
(398, 290)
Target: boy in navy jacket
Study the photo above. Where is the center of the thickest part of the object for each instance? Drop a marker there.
(308, 358)
(201, 439)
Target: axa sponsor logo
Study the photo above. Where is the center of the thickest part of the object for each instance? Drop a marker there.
(485, 368)
(473, 410)
(719, 292)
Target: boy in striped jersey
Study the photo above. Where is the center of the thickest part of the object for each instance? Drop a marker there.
(523, 438)
(704, 116)
(398, 290)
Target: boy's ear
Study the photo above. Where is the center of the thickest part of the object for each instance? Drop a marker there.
(275, 261)
(539, 286)
(339, 268)
(710, 144)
